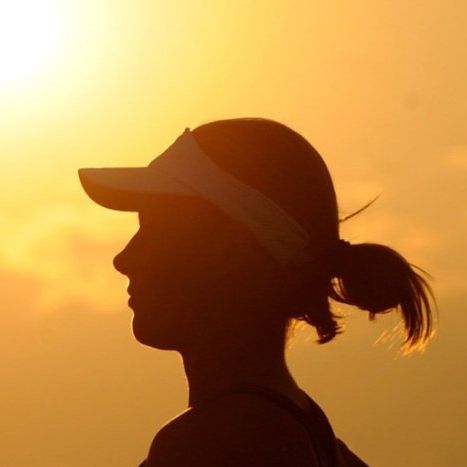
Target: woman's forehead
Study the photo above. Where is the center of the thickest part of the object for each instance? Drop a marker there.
(163, 203)
(156, 213)
(173, 208)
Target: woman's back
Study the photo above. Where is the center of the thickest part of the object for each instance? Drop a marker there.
(250, 426)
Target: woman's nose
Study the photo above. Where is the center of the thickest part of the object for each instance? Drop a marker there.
(120, 262)
(126, 261)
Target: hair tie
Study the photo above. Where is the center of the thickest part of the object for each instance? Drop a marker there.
(340, 257)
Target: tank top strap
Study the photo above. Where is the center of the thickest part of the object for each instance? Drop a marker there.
(314, 419)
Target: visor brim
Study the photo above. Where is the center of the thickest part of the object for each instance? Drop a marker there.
(129, 188)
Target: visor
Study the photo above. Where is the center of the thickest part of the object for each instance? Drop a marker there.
(184, 169)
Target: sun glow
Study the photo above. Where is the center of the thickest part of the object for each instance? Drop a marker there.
(28, 33)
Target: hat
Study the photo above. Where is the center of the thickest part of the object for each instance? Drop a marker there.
(184, 169)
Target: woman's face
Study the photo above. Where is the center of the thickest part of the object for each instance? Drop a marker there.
(175, 264)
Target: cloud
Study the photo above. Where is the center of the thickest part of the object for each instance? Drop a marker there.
(68, 255)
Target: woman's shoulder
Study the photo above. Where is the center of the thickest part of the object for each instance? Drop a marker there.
(237, 429)
(346, 458)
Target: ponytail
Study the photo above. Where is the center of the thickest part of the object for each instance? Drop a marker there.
(378, 279)
(374, 278)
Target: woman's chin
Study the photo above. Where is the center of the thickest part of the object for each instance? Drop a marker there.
(154, 334)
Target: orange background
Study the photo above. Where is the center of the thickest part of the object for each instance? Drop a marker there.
(377, 87)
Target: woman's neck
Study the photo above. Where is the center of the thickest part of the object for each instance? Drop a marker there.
(210, 368)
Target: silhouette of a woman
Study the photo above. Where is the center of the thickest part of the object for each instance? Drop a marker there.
(238, 240)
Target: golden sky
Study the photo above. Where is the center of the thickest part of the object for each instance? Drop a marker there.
(377, 87)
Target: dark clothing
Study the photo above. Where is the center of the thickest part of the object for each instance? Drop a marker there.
(331, 451)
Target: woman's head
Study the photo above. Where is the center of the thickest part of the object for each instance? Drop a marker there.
(194, 274)
(191, 267)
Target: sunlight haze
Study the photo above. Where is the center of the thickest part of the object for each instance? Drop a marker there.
(378, 88)
(28, 35)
